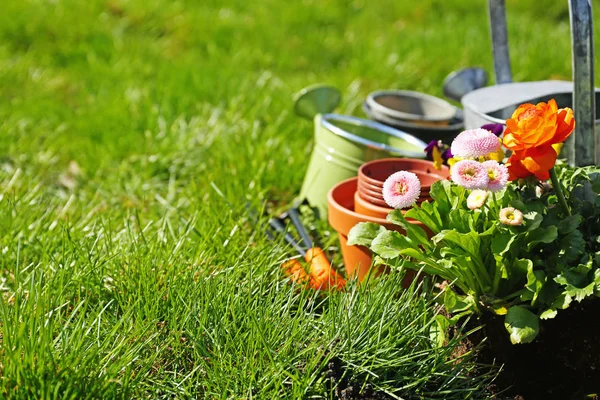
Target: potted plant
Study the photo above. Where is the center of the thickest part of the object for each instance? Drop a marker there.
(366, 198)
(518, 253)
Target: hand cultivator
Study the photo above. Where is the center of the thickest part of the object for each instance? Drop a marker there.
(321, 275)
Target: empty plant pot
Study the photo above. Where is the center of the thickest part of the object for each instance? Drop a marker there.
(368, 208)
(378, 201)
(370, 191)
(427, 133)
(342, 145)
(369, 186)
(414, 107)
(376, 172)
(377, 192)
(342, 217)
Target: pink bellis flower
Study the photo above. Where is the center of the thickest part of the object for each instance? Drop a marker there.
(470, 174)
(477, 199)
(511, 216)
(497, 175)
(475, 143)
(401, 189)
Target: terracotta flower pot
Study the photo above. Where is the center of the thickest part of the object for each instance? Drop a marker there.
(373, 191)
(376, 200)
(342, 217)
(368, 208)
(370, 193)
(374, 173)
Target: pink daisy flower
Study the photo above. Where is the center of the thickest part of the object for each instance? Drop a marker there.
(474, 143)
(401, 189)
(470, 174)
(497, 175)
(511, 216)
(477, 199)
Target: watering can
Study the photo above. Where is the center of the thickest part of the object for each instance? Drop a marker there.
(495, 104)
(343, 143)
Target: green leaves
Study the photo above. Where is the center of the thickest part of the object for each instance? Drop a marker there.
(469, 242)
(535, 283)
(455, 303)
(389, 244)
(533, 220)
(596, 186)
(527, 272)
(428, 215)
(386, 244)
(572, 247)
(577, 281)
(363, 233)
(522, 325)
(442, 193)
(549, 314)
(569, 224)
(541, 235)
(413, 232)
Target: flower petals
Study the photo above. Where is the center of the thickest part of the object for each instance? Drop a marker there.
(511, 216)
(401, 189)
(474, 143)
(497, 174)
(470, 174)
(476, 199)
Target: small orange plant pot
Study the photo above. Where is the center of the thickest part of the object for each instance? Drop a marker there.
(342, 217)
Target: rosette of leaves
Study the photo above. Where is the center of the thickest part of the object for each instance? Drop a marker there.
(526, 272)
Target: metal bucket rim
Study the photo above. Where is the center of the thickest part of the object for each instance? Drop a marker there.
(371, 100)
(376, 126)
(503, 121)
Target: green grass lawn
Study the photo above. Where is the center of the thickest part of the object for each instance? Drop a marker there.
(132, 135)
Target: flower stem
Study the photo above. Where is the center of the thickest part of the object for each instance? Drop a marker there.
(559, 191)
(494, 199)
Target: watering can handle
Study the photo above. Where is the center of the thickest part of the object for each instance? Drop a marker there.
(499, 33)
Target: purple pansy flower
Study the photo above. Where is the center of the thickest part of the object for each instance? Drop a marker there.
(496, 129)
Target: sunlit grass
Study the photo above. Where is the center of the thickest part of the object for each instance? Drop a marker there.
(132, 135)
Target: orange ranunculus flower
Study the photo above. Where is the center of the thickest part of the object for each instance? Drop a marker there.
(537, 125)
(536, 161)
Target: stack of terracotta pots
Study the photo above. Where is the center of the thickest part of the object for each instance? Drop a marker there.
(360, 199)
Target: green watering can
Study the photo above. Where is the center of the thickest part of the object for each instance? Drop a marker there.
(344, 143)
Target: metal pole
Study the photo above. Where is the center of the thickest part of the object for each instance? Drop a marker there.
(584, 144)
(500, 41)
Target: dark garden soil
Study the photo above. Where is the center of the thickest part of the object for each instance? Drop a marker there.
(563, 363)
(344, 389)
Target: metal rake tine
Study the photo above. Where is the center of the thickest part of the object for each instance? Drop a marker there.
(295, 218)
(277, 225)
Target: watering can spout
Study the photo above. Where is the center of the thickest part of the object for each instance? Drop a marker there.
(583, 148)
